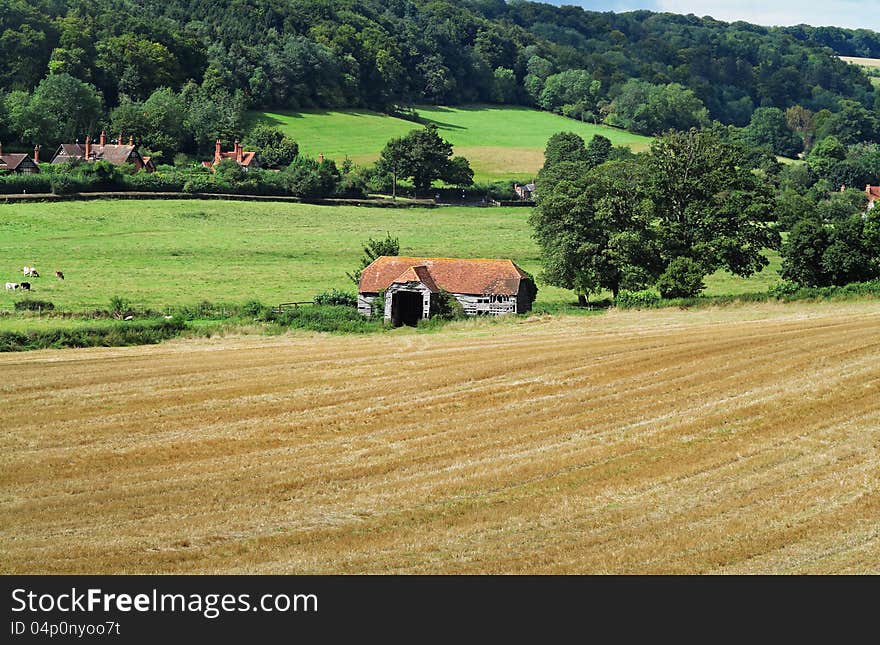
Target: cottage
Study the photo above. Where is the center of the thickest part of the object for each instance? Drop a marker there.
(19, 162)
(412, 287)
(247, 159)
(873, 194)
(116, 153)
(526, 192)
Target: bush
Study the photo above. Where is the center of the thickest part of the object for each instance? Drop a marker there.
(159, 182)
(146, 333)
(119, 307)
(328, 318)
(254, 308)
(446, 307)
(335, 297)
(66, 185)
(16, 184)
(683, 278)
(637, 299)
(352, 186)
(34, 305)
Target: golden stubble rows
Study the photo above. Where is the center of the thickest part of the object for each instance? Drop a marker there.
(731, 440)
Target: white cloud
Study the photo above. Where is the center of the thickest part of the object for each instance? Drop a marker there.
(839, 13)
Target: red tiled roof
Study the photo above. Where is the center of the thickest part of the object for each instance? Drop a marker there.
(873, 192)
(499, 277)
(247, 156)
(418, 274)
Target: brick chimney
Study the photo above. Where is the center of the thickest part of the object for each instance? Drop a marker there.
(88, 147)
(131, 139)
(217, 152)
(119, 141)
(1, 149)
(103, 138)
(238, 151)
(36, 153)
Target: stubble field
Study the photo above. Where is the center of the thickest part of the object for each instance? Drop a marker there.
(732, 440)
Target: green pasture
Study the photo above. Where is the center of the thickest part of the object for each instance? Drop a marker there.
(159, 254)
(501, 142)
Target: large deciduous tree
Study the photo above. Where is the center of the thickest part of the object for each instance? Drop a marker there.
(273, 148)
(711, 206)
(594, 227)
(62, 108)
(424, 157)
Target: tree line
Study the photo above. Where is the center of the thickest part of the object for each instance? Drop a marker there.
(694, 203)
(643, 71)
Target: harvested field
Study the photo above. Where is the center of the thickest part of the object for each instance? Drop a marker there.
(737, 440)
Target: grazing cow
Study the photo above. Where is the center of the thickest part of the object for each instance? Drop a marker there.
(30, 272)
(59, 275)
(25, 286)
(11, 286)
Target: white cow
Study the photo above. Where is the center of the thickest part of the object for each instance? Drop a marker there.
(11, 286)
(30, 272)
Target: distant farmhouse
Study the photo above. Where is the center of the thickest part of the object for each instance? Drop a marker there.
(19, 162)
(247, 159)
(116, 153)
(412, 287)
(526, 192)
(873, 194)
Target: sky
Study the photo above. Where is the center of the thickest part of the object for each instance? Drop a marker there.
(839, 13)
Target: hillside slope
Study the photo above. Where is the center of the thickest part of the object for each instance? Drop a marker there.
(501, 142)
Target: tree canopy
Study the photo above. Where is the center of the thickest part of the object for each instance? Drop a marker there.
(690, 206)
(424, 157)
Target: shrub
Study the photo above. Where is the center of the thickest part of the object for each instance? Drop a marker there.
(254, 308)
(119, 307)
(783, 289)
(335, 297)
(155, 182)
(17, 184)
(65, 185)
(683, 278)
(34, 305)
(352, 186)
(327, 318)
(637, 299)
(446, 307)
(146, 333)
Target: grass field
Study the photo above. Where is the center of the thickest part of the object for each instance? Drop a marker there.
(158, 253)
(500, 142)
(863, 62)
(870, 64)
(738, 440)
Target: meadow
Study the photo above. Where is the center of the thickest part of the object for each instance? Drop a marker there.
(159, 254)
(501, 142)
(733, 440)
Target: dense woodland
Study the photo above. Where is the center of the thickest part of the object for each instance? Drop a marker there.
(180, 73)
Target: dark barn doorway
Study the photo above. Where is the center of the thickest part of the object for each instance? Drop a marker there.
(406, 308)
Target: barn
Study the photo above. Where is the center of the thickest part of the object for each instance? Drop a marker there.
(411, 287)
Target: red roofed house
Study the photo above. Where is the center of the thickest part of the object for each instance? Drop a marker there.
(19, 162)
(873, 193)
(115, 153)
(411, 287)
(247, 159)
